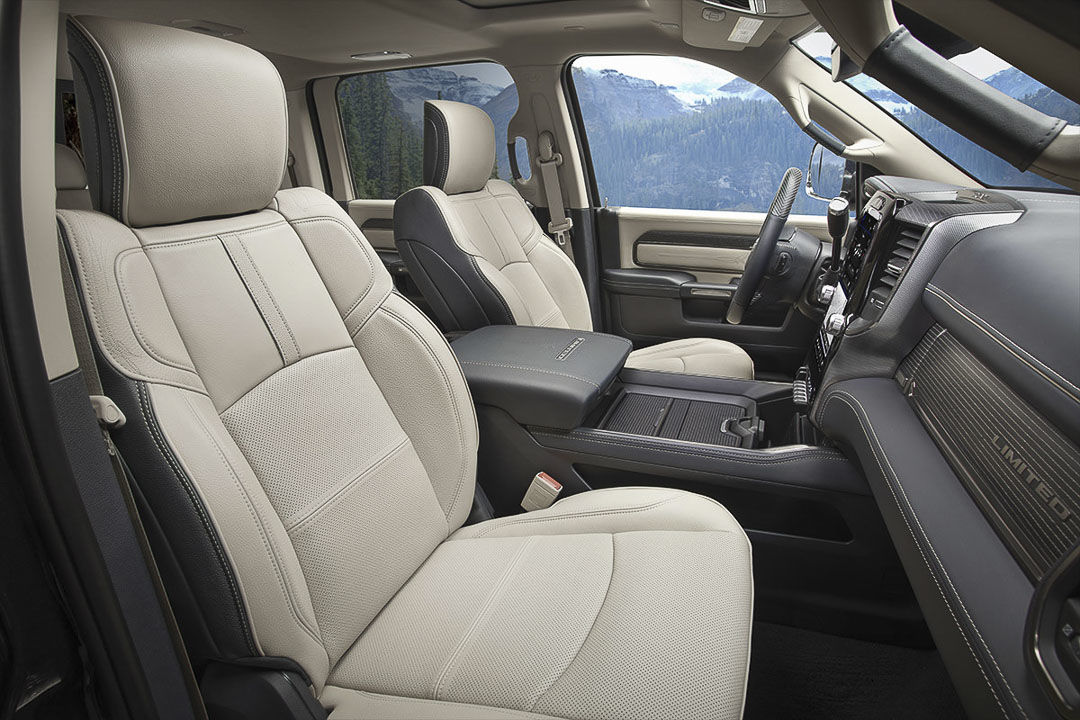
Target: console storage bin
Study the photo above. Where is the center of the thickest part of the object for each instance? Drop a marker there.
(547, 377)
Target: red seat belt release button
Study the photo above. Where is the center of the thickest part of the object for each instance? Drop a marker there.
(541, 493)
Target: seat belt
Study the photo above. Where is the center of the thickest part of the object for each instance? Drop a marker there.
(549, 162)
(290, 163)
(108, 414)
(110, 417)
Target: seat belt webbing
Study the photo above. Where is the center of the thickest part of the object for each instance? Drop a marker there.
(109, 416)
(108, 413)
(549, 162)
(290, 163)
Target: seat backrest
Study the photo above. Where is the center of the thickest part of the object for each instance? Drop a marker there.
(301, 436)
(471, 243)
(71, 190)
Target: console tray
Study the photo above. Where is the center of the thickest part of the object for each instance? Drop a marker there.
(680, 415)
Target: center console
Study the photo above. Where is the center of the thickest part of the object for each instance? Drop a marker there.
(567, 379)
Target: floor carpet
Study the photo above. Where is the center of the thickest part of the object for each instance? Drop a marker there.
(804, 675)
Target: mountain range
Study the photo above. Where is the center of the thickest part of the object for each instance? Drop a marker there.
(412, 87)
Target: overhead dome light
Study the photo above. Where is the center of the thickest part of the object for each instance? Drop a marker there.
(380, 55)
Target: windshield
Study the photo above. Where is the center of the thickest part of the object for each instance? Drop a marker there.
(981, 164)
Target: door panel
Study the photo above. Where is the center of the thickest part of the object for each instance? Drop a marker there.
(707, 250)
(375, 218)
(711, 257)
(711, 245)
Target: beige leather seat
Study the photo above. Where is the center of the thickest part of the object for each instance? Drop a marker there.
(480, 258)
(71, 188)
(306, 444)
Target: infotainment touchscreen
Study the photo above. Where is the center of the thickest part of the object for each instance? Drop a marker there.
(856, 250)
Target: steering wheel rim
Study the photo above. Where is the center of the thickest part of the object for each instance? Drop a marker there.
(761, 255)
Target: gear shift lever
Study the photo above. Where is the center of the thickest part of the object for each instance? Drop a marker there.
(838, 223)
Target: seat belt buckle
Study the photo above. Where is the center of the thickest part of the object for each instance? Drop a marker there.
(561, 230)
(542, 492)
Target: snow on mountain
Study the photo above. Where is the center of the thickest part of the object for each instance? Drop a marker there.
(621, 97)
(739, 88)
(1014, 83)
(413, 87)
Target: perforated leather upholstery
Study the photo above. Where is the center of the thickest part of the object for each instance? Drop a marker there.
(306, 447)
(477, 253)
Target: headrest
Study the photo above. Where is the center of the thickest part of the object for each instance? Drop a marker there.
(175, 125)
(459, 146)
(70, 174)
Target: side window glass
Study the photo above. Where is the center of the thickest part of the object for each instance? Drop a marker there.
(521, 155)
(72, 138)
(670, 132)
(382, 120)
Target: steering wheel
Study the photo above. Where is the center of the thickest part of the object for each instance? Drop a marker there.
(761, 255)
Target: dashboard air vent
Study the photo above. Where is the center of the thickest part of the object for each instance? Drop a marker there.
(896, 261)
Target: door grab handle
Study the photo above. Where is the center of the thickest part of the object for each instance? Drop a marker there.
(707, 290)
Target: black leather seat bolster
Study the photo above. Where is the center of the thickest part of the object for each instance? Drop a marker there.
(190, 556)
(449, 278)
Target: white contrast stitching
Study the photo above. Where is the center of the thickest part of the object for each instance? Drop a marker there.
(1001, 340)
(894, 485)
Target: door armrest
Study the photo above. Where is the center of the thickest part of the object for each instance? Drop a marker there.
(652, 283)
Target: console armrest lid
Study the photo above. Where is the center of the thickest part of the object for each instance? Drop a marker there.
(549, 377)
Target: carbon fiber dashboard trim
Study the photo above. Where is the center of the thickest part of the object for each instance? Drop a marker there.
(1020, 469)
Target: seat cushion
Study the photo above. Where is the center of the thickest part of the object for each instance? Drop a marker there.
(621, 603)
(695, 356)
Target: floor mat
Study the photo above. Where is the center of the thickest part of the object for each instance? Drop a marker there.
(804, 675)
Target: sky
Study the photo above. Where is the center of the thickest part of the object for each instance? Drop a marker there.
(695, 80)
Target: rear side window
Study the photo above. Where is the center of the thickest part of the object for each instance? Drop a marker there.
(671, 132)
(382, 117)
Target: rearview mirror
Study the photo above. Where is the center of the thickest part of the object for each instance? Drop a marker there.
(824, 174)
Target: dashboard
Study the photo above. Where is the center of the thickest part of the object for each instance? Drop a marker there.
(954, 381)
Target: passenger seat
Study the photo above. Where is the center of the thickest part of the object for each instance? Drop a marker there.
(475, 250)
(305, 445)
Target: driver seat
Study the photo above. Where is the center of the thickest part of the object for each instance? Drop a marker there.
(480, 258)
